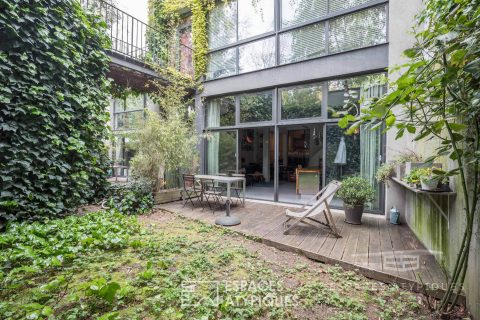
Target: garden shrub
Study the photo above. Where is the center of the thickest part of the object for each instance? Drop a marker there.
(53, 115)
(134, 197)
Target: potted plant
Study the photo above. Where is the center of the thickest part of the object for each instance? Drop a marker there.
(355, 192)
(428, 180)
(385, 172)
(413, 179)
(401, 161)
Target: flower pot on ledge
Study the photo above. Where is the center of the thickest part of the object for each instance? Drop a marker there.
(429, 183)
(167, 195)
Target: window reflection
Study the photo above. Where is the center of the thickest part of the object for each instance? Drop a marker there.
(222, 24)
(301, 102)
(222, 64)
(298, 11)
(257, 55)
(302, 44)
(220, 112)
(256, 107)
(345, 96)
(255, 17)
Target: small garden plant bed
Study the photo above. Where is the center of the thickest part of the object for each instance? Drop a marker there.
(161, 266)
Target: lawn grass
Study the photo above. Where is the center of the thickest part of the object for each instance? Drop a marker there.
(174, 268)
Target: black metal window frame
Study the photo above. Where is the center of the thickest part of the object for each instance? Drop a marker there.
(121, 112)
(278, 31)
(277, 124)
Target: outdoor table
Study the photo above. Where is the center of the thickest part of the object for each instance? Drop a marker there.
(228, 220)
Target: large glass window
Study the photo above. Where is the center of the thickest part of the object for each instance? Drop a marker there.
(221, 152)
(222, 24)
(299, 11)
(256, 107)
(302, 44)
(255, 17)
(301, 102)
(304, 161)
(257, 55)
(339, 5)
(128, 120)
(358, 30)
(222, 64)
(129, 112)
(345, 96)
(220, 112)
(302, 38)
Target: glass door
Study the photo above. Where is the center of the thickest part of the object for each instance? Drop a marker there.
(256, 161)
(222, 152)
(300, 162)
(353, 155)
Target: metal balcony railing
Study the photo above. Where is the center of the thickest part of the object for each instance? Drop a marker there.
(135, 39)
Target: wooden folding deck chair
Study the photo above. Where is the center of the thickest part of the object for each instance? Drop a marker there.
(313, 214)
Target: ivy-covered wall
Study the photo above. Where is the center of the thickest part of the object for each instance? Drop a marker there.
(165, 15)
(53, 114)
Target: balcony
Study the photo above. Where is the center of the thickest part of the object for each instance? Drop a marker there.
(136, 47)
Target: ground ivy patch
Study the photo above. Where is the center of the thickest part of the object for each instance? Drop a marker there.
(167, 267)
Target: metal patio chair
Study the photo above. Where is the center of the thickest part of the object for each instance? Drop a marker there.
(191, 190)
(212, 193)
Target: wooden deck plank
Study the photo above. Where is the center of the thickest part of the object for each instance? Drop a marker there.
(374, 248)
(386, 249)
(361, 247)
(361, 252)
(350, 246)
(327, 247)
(401, 245)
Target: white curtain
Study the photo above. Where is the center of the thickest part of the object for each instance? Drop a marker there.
(213, 142)
(370, 145)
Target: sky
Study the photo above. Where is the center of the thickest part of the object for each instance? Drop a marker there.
(136, 8)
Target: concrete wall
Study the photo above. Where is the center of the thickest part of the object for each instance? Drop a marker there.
(335, 66)
(441, 235)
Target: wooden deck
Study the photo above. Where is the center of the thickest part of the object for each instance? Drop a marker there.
(377, 249)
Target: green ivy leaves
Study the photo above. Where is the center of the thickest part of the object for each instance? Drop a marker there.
(53, 95)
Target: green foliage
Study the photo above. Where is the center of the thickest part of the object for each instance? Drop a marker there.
(164, 15)
(200, 10)
(423, 174)
(408, 156)
(167, 141)
(355, 191)
(30, 248)
(147, 276)
(413, 177)
(437, 97)
(53, 92)
(385, 172)
(134, 197)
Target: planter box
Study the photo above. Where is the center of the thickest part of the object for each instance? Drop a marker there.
(168, 195)
(409, 166)
(400, 171)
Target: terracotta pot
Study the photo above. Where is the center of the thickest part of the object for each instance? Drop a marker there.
(353, 215)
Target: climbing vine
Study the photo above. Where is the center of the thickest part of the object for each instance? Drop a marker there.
(165, 16)
(53, 96)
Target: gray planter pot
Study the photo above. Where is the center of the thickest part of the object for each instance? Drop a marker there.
(429, 183)
(353, 215)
